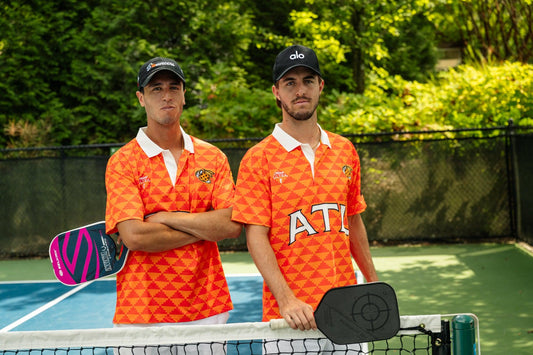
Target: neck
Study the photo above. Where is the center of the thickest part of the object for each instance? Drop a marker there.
(303, 131)
(167, 137)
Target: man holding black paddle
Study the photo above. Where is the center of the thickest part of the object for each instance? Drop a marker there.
(299, 195)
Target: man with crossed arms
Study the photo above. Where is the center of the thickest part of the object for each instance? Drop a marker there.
(166, 190)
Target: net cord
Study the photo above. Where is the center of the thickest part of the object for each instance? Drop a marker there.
(109, 337)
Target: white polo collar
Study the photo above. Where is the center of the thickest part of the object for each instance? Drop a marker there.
(152, 149)
(289, 143)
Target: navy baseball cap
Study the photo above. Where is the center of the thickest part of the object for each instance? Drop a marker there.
(155, 65)
(292, 57)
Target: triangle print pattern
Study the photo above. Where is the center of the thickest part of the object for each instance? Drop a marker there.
(307, 215)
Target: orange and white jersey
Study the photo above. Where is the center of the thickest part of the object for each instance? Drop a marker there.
(183, 284)
(304, 199)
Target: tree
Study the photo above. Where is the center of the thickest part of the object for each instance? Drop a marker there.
(74, 63)
(489, 29)
(351, 35)
(68, 67)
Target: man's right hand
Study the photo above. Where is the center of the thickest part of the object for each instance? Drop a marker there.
(298, 314)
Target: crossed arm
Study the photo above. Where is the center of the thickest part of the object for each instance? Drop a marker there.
(169, 230)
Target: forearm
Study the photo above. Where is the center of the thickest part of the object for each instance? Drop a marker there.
(212, 225)
(297, 313)
(360, 248)
(264, 258)
(152, 237)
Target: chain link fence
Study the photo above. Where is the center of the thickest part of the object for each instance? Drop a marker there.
(436, 191)
(446, 186)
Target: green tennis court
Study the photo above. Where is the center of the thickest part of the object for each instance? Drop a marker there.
(493, 281)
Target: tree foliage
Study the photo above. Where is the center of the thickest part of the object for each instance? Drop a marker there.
(68, 68)
(464, 97)
(489, 29)
(74, 63)
(361, 34)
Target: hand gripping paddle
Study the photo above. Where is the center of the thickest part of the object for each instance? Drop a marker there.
(359, 313)
(86, 253)
(356, 314)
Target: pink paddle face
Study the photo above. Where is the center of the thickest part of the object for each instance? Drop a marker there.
(85, 254)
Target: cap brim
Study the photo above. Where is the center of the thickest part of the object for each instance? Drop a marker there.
(157, 70)
(296, 66)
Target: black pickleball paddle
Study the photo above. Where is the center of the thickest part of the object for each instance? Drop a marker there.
(358, 313)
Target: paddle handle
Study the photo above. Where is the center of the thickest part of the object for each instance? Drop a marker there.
(278, 324)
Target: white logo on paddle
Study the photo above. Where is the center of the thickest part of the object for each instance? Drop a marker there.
(105, 254)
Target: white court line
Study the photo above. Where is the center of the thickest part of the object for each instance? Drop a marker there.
(68, 294)
(44, 308)
(244, 275)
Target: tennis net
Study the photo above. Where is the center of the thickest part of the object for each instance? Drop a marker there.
(422, 334)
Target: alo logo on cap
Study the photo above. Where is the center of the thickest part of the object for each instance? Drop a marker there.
(296, 55)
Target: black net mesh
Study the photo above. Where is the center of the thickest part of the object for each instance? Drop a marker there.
(237, 339)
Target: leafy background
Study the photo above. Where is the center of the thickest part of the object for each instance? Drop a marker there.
(68, 68)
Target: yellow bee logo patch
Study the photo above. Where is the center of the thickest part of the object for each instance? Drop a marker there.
(347, 170)
(204, 175)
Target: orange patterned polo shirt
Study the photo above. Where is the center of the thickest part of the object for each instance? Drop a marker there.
(182, 284)
(307, 214)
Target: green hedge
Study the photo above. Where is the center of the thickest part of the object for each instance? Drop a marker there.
(464, 97)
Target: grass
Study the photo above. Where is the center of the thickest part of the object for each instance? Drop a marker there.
(493, 281)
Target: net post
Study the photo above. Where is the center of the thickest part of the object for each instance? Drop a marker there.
(464, 335)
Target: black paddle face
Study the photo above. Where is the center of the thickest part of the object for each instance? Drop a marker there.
(359, 313)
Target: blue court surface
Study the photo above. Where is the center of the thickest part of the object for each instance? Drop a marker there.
(50, 305)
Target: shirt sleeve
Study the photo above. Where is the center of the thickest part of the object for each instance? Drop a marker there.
(224, 185)
(356, 201)
(252, 203)
(123, 198)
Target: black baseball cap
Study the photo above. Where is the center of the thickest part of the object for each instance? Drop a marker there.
(292, 57)
(155, 65)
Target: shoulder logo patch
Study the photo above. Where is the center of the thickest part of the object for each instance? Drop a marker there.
(347, 170)
(204, 175)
